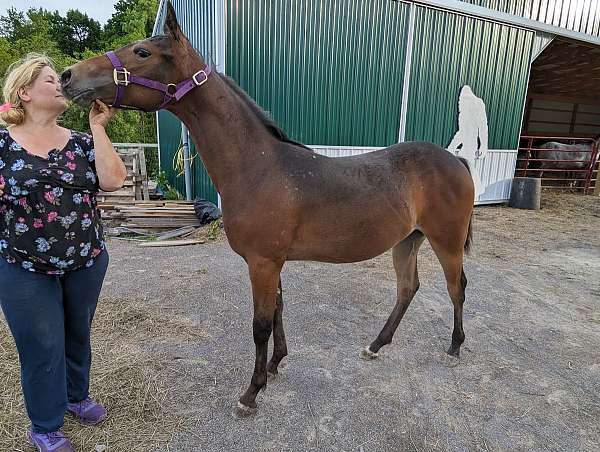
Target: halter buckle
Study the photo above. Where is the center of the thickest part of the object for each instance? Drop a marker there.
(121, 81)
(171, 89)
(201, 71)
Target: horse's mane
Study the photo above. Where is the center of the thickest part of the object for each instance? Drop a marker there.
(264, 118)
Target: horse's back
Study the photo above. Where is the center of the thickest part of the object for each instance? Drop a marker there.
(401, 171)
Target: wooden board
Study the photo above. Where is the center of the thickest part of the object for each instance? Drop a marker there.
(158, 243)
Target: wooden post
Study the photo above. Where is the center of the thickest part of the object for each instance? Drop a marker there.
(143, 173)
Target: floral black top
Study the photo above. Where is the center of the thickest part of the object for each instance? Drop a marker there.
(49, 221)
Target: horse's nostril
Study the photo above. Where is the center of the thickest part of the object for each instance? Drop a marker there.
(65, 77)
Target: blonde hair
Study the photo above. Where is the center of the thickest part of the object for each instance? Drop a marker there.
(21, 74)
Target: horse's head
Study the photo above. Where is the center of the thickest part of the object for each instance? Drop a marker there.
(143, 75)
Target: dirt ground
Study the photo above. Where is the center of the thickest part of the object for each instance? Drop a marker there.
(528, 377)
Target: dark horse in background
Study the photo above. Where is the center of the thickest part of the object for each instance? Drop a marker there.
(283, 202)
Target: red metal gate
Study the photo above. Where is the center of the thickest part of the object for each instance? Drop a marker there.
(563, 173)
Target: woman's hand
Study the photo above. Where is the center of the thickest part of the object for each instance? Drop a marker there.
(1, 189)
(100, 114)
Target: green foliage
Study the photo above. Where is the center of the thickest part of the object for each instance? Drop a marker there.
(76, 36)
(163, 183)
(76, 33)
(213, 229)
(162, 180)
(132, 20)
(152, 163)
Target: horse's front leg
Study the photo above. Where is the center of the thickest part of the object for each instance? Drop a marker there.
(264, 276)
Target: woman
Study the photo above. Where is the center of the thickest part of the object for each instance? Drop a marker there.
(52, 252)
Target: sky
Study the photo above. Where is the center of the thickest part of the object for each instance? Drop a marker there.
(101, 10)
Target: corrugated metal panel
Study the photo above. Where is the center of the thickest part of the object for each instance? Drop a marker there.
(202, 185)
(496, 171)
(160, 18)
(540, 42)
(328, 71)
(170, 141)
(169, 132)
(342, 151)
(576, 15)
(197, 21)
(453, 51)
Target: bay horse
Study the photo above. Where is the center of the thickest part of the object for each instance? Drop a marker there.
(281, 201)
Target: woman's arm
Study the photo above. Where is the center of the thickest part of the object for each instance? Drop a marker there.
(109, 166)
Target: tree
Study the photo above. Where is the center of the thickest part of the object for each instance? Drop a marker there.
(132, 20)
(76, 33)
(23, 33)
(12, 25)
(8, 54)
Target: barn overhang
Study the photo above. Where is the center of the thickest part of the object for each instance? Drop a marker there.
(563, 95)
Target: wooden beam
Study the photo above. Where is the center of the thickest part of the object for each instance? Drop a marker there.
(568, 99)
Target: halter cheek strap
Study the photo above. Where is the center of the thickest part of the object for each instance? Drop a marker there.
(123, 78)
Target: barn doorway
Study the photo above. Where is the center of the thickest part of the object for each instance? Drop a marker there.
(562, 107)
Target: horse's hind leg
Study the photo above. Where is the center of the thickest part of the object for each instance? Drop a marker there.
(279, 343)
(450, 254)
(405, 264)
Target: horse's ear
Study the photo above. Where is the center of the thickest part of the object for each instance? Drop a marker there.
(171, 26)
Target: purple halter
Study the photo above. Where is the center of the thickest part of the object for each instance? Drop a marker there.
(124, 78)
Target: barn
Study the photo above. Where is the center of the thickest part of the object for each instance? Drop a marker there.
(352, 76)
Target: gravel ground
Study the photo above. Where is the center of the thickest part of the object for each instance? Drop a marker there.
(528, 377)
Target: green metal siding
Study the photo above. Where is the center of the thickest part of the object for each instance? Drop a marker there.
(197, 20)
(169, 129)
(329, 71)
(202, 185)
(169, 140)
(575, 15)
(451, 51)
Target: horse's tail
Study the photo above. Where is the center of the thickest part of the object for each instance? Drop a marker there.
(469, 240)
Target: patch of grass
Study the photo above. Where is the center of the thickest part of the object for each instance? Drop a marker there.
(131, 383)
(213, 230)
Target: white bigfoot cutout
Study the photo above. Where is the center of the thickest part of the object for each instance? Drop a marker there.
(471, 140)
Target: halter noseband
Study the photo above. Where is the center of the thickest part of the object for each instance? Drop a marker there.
(124, 78)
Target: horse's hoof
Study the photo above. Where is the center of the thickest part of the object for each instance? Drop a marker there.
(454, 352)
(272, 375)
(367, 354)
(242, 411)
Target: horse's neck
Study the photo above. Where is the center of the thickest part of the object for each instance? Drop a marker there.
(229, 137)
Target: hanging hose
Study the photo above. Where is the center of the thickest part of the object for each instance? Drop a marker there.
(179, 161)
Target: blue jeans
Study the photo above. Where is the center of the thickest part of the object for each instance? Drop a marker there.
(50, 318)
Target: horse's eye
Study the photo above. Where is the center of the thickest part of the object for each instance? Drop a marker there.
(141, 52)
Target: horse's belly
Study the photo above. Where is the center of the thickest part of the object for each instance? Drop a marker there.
(346, 243)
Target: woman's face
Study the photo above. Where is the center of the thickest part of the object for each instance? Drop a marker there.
(44, 93)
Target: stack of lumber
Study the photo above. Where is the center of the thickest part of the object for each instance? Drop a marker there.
(150, 217)
(131, 210)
